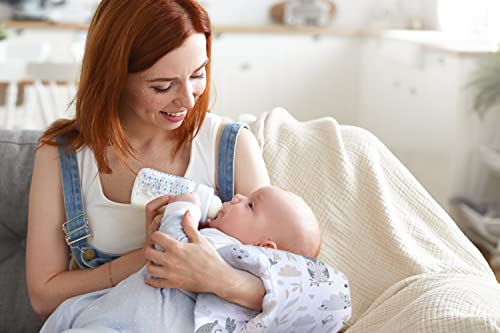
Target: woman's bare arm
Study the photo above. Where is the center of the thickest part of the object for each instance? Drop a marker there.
(250, 170)
(250, 173)
(48, 279)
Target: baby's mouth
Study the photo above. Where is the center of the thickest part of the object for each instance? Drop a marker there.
(220, 214)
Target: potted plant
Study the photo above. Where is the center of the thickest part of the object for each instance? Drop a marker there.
(487, 83)
(3, 37)
(487, 104)
(3, 32)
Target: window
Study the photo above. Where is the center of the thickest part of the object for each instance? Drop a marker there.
(470, 19)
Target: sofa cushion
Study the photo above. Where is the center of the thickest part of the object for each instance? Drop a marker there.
(16, 164)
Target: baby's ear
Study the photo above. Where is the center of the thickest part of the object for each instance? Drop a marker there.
(268, 243)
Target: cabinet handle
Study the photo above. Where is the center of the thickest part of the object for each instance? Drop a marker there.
(245, 66)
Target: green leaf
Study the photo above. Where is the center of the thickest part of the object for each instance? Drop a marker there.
(486, 82)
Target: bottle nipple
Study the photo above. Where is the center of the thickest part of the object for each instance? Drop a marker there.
(214, 207)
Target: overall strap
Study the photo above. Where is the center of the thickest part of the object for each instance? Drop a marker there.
(76, 228)
(225, 166)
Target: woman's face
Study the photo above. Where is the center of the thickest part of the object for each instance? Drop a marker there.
(162, 95)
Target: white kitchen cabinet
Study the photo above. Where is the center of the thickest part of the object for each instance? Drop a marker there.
(412, 98)
(311, 76)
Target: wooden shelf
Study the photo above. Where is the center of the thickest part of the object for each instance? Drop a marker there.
(431, 39)
(270, 28)
(45, 25)
(283, 29)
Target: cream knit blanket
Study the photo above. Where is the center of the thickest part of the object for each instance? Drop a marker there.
(410, 268)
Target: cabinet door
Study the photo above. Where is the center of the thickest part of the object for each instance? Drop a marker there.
(409, 99)
(309, 76)
(390, 101)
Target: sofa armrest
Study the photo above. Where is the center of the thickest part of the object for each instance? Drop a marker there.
(16, 164)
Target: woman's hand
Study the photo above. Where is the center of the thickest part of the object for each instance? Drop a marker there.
(153, 217)
(197, 267)
(194, 266)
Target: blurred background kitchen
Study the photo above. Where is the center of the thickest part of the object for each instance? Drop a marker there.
(422, 75)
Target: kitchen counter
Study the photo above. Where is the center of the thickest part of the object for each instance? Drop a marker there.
(438, 40)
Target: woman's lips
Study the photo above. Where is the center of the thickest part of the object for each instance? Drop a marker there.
(174, 117)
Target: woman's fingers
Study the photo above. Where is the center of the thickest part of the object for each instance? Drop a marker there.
(158, 283)
(188, 223)
(156, 223)
(190, 266)
(151, 228)
(166, 242)
(156, 271)
(153, 206)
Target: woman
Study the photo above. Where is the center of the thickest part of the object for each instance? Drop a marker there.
(142, 102)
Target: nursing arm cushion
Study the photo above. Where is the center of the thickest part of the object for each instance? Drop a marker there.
(302, 295)
(379, 225)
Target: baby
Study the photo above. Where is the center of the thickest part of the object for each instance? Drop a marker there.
(269, 217)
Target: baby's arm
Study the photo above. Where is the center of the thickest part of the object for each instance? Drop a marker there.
(171, 223)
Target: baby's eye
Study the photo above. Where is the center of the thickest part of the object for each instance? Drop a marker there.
(250, 205)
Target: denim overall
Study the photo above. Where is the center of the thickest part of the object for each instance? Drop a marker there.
(76, 228)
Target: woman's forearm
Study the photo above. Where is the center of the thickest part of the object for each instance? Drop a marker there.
(243, 288)
(47, 296)
(126, 265)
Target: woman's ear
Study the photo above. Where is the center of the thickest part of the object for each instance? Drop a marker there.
(267, 243)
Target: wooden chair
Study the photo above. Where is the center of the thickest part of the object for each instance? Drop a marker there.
(34, 104)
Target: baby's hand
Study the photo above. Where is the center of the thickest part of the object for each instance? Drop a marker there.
(191, 197)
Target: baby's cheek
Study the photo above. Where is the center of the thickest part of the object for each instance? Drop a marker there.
(229, 229)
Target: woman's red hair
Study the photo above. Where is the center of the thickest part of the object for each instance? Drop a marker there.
(128, 36)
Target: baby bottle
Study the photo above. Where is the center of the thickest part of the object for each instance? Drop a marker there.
(151, 183)
(210, 204)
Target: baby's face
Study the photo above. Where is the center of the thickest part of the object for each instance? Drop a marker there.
(242, 218)
(255, 219)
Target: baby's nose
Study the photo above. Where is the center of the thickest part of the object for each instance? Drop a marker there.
(237, 198)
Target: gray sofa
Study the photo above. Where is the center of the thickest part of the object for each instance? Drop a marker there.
(16, 164)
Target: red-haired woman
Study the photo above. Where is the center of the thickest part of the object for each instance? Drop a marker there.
(142, 101)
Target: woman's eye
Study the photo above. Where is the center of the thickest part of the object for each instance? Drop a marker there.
(162, 90)
(200, 76)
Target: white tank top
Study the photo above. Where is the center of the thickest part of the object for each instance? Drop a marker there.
(119, 228)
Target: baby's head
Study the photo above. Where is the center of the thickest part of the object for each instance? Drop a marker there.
(271, 217)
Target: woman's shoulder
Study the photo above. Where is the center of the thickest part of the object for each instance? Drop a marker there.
(48, 156)
(211, 120)
(47, 153)
(209, 127)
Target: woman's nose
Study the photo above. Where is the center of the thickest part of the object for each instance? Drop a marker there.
(185, 96)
